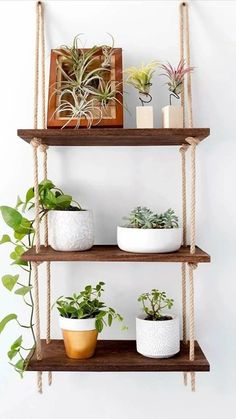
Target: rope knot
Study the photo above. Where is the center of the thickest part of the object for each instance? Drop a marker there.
(183, 148)
(192, 141)
(35, 142)
(193, 265)
(43, 148)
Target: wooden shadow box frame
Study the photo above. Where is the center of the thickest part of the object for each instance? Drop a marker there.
(114, 114)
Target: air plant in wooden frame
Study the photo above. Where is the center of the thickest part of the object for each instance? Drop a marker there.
(175, 77)
(93, 75)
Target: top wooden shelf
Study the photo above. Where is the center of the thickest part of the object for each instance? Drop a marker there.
(114, 136)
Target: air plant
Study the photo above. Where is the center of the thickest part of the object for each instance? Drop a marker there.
(176, 77)
(140, 78)
(80, 106)
(107, 93)
(107, 53)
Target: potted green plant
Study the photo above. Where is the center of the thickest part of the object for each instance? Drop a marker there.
(157, 333)
(82, 317)
(148, 232)
(172, 115)
(21, 238)
(141, 79)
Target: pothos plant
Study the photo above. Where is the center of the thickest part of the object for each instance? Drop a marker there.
(141, 79)
(175, 78)
(86, 305)
(153, 304)
(143, 217)
(21, 239)
(86, 89)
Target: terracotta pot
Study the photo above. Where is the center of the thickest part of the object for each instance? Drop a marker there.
(144, 116)
(172, 117)
(80, 337)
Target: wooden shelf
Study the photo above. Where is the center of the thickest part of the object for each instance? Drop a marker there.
(114, 136)
(116, 356)
(111, 253)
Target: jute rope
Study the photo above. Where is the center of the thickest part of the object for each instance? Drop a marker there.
(185, 46)
(44, 148)
(37, 323)
(181, 47)
(35, 144)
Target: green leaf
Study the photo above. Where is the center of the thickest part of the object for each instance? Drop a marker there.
(9, 281)
(46, 184)
(17, 344)
(29, 195)
(63, 201)
(11, 216)
(109, 319)
(18, 202)
(7, 319)
(24, 227)
(5, 239)
(11, 354)
(99, 325)
(20, 365)
(23, 290)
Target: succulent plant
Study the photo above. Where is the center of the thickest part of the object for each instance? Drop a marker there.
(176, 77)
(143, 217)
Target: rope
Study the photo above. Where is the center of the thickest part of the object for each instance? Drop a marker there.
(181, 46)
(35, 144)
(183, 150)
(185, 45)
(189, 78)
(37, 324)
(192, 267)
(193, 142)
(43, 149)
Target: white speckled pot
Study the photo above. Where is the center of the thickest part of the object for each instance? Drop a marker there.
(157, 339)
(149, 240)
(71, 230)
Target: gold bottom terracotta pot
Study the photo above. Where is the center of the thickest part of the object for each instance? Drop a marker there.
(80, 337)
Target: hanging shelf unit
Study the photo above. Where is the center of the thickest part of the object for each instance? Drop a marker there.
(115, 355)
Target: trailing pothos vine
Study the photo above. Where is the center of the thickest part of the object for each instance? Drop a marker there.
(21, 239)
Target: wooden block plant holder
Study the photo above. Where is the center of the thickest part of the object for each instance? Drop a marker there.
(187, 255)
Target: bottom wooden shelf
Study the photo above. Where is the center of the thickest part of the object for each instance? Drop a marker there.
(116, 356)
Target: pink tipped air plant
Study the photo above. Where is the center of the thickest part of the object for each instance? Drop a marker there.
(176, 77)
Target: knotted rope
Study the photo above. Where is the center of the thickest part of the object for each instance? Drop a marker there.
(40, 45)
(43, 149)
(185, 46)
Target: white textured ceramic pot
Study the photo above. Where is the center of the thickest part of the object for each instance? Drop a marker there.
(172, 117)
(144, 116)
(80, 337)
(71, 230)
(157, 339)
(149, 240)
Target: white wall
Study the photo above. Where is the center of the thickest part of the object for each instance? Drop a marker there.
(112, 181)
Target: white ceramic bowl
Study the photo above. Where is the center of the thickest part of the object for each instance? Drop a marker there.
(151, 240)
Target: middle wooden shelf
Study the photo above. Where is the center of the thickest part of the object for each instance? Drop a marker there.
(112, 253)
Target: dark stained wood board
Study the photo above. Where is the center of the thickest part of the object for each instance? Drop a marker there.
(114, 136)
(111, 253)
(116, 356)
